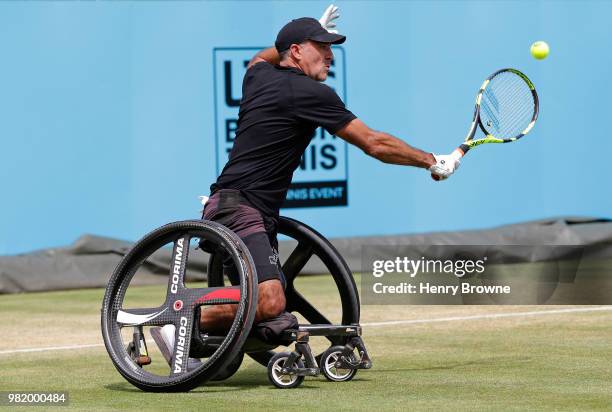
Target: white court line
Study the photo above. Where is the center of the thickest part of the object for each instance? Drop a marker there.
(392, 322)
(489, 316)
(52, 348)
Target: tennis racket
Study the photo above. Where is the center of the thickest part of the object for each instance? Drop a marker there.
(506, 109)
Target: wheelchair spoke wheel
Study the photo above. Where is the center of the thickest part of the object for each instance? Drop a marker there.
(179, 308)
(310, 244)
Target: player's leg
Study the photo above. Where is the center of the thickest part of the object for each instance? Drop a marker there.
(228, 208)
(270, 303)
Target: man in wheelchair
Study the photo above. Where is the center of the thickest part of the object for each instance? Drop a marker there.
(283, 102)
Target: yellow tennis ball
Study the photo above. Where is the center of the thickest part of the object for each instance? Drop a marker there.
(540, 50)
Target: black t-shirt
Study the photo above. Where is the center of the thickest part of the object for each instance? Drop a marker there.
(280, 109)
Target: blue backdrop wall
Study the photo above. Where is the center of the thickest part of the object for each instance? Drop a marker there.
(108, 117)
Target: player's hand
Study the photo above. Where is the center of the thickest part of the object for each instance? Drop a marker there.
(445, 165)
(327, 19)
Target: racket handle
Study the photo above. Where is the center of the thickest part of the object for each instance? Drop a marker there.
(463, 149)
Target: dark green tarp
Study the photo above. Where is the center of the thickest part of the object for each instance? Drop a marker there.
(90, 261)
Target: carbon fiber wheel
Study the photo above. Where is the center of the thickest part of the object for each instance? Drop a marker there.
(179, 307)
(231, 368)
(310, 244)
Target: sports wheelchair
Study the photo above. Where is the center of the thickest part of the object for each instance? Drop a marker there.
(129, 352)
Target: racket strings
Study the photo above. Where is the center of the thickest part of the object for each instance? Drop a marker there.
(520, 98)
(488, 114)
(507, 106)
(515, 95)
(514, 112)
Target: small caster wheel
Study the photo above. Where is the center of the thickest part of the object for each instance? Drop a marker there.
(329, 368)
(279, 379)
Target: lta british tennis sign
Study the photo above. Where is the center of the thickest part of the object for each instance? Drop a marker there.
(322, 177)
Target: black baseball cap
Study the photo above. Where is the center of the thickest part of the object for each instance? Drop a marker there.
(306, 28)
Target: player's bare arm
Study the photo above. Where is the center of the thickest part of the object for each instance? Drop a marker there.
(385, 147)
(269, 55)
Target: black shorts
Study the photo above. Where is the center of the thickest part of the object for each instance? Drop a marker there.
(229, 209)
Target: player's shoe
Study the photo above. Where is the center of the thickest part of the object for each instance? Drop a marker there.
(164, 338)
